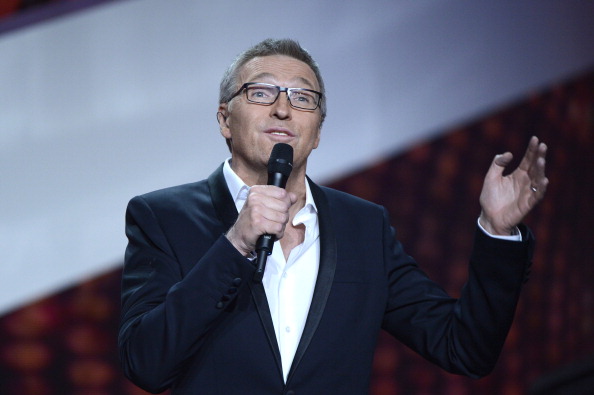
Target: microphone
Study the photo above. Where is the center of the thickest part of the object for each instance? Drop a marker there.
(280, 166)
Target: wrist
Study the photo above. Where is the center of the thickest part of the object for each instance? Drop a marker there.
(495, 230)
(239, 246)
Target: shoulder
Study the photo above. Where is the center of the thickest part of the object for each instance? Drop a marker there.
(178, 196)
(346, 202)
(177, 191)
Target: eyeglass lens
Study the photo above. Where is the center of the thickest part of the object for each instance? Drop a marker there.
(267, 94)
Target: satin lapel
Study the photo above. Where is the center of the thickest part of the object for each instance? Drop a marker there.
(227, 213)
(325, 274)
(259, 296)
(221, 198)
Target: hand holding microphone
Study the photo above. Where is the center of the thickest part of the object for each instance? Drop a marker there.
(265, 213)
(280, 166)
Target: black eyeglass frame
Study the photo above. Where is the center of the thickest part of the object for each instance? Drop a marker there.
(280, 89)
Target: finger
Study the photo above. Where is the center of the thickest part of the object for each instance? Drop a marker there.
(536, 172)
(270, 190)
(498, 165)
(502, 160)
(276, 198)
(539, 184)
(267, 214)
(531, 154)
(272, 215)
(256, 223)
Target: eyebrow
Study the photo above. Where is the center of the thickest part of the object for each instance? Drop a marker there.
(270, 75)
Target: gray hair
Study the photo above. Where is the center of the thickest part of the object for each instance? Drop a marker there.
(268, 47)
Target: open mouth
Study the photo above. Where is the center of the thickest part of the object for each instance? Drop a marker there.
(279, 132)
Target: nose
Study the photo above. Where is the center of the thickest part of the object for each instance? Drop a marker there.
(281, 108)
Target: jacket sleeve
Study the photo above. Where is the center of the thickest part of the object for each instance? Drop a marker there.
(465, 335)
(166, 313)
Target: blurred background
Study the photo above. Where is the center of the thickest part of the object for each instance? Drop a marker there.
(101, 100)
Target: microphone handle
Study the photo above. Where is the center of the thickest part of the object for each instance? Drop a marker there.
(277, 179)
(263, 248)
(266, 241)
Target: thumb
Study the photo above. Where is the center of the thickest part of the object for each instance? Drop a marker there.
(500, 162)
(293, 198)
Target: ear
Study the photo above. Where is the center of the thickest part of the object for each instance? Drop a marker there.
(222, 118)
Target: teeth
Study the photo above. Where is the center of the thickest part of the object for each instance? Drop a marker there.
(280, 133)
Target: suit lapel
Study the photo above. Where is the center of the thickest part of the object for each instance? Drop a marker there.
(221, 198)
(325, 274)
(227, 213)
(259, 296)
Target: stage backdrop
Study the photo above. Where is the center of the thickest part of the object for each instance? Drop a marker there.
(90, 101)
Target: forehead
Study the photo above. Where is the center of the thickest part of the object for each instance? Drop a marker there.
(279, 70)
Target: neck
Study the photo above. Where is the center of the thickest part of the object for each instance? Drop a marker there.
(296, 184)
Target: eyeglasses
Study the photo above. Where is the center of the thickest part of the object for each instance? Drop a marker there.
(267, 94)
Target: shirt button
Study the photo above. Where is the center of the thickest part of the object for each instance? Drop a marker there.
(288, 329)
(285, 275)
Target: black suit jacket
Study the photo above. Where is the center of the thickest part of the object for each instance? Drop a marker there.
(194, 321)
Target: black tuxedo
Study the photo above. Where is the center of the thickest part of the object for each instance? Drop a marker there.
(192, 318)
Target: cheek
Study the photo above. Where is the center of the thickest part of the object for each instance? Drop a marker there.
(315, 135)
(317, 141)
(238, 124)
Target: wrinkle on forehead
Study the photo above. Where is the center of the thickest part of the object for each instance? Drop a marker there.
(279, 69)
(270, 76)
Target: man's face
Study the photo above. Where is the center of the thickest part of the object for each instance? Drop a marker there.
(254, 129)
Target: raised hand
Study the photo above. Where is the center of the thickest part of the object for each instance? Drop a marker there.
(506, 200)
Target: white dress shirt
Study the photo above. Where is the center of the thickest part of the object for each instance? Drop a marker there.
(289, 284)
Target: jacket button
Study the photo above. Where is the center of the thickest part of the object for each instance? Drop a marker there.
(291, 393)
(231, 290)
(220, 305)
(237, 281)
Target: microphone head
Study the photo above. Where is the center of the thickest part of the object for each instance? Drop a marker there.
(281, 160)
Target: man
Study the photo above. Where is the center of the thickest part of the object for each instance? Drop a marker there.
(194, 321)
